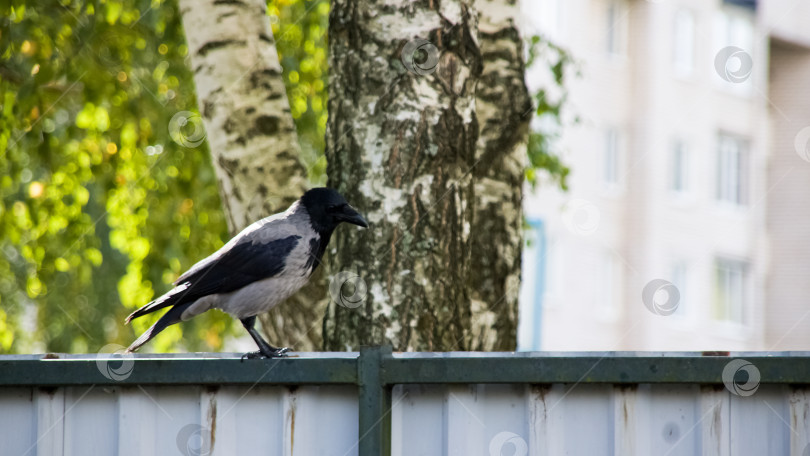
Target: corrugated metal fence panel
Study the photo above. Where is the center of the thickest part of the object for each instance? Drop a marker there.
(594, 420)
(184, 420)
(465, 404)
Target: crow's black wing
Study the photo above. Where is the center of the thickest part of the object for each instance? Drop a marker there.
(229, 269)
(244, 263)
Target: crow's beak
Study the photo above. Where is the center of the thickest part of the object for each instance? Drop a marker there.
(350, 215)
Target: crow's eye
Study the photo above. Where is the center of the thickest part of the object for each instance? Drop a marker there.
(334, 208)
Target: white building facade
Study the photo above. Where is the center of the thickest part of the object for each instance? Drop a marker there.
(685, 179)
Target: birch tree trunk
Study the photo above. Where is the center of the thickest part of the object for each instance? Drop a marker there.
(504, 111)
(401, 145)
(245, 108)
(250, 131)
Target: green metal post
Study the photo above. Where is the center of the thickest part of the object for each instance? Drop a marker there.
(374, 432)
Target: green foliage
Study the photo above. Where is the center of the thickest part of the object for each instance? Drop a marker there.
(100, 210)
(549, 102)
(299, 27)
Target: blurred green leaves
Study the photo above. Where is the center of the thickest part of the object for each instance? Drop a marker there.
(556, 64)
(299, 28)
(95, 197)
(99, 209)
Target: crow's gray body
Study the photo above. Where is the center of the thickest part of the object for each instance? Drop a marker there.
(264, 294)
(256, 270)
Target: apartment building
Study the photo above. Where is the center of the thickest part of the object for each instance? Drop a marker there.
(687, 222)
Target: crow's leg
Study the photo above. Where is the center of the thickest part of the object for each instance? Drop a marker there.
(265, 350)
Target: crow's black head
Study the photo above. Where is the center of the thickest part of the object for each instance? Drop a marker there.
(327, 209)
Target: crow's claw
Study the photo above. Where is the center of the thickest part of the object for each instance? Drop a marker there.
(276, 353)
(252, 355)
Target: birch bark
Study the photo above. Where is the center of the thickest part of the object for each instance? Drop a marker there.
(401, 145)
(504, 111)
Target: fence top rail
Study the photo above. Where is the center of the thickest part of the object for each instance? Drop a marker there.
(429, 355)
(165, 356)
(341, 368)
(600, 354)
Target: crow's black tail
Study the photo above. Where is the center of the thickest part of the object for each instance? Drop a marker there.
(172, 297)
(169, 318)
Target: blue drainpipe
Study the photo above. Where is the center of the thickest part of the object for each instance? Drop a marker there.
(539, 280)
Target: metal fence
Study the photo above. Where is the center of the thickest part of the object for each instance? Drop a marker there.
(376, 402)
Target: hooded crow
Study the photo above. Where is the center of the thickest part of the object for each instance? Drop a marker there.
(256, 270)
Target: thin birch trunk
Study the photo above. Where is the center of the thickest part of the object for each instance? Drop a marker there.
(504, 111)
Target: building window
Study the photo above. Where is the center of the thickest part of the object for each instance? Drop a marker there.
(752, 4)
(679, 172)
(732, 170)
(679, 278)
(608, 277)
(615, 18)
(734, 47)
(730, 291)
(610, 160)
(684, 43)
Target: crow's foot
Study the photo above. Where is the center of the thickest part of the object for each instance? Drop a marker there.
(252, 355)
(260, 354)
